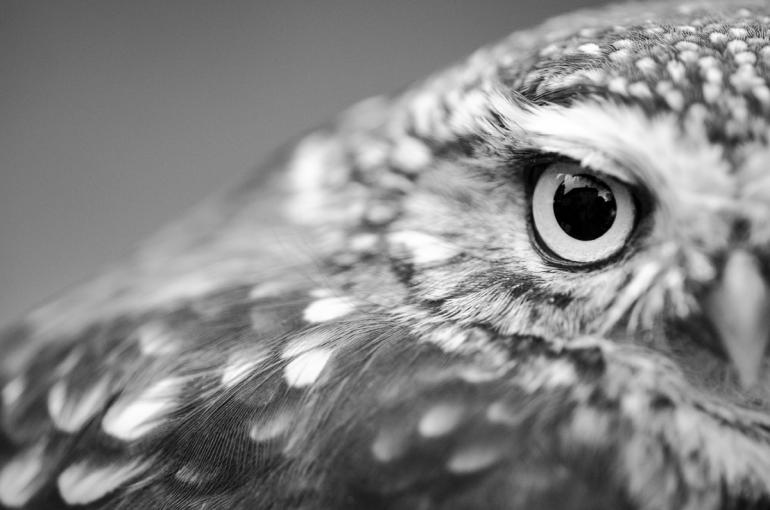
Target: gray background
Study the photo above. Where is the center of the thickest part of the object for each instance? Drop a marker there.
(116, 115)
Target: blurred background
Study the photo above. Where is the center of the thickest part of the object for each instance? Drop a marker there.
(117, 115)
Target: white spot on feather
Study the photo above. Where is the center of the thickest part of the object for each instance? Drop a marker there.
(272, 426)
(589, 426)
(588, 32)
(502, 413)
(423, 248)
(423, 108)
(364, 243)
(193, 475)
(717, 37)
(623, 43)
(590, 49)
(22, 476)
(640, 89)
(411, 154)
(621, 55)
(549, 375)
(305, 342)
(618, 85)
(646, 65)
(371, 154)
(675, 99)
(307, 367)
(133, 416)
(156, 340)
(268, 290)
(477, 374)
(736, 46)
(449, 339)
(70, 413)
(710, 69)
(389, 444)
(327, 309)
(69, 362)
(762, 93)
(440, 420)
(676, 70)
(688, 56)
(473, 459)
(321, 293)
(745, 78)
(317, 173)
(711, 92)
(745, 57)
(240, 365)
(13, 391)
(83, 483)
(738, 32)
(686, 46)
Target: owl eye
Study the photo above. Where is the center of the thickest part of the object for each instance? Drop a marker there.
(580, 216)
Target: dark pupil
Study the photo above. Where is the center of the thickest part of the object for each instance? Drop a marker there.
(584, 207)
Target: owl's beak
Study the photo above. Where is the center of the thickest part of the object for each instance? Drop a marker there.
(739, 308)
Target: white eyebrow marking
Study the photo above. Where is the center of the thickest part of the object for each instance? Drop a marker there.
(623, 142)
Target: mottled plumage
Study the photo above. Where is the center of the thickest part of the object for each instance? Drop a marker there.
(386, 317)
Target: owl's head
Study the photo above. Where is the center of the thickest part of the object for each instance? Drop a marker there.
(585, 178)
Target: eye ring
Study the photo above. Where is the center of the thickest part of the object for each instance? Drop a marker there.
(581, 216)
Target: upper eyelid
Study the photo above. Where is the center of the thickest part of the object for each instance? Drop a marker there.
(593, 160)
(550, 158)
(632, 184)
(618, 173)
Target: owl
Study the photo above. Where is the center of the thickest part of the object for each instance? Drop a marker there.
(535, 280)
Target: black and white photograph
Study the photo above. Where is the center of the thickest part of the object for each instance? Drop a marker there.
(402, 255)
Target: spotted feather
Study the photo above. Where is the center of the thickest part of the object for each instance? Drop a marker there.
(373, 319)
